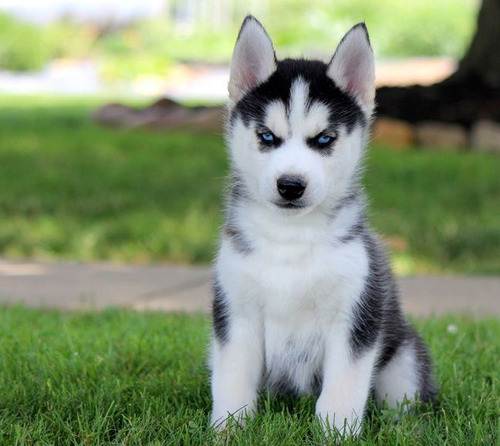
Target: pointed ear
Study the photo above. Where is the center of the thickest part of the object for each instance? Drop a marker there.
(352, 66)
(253, 59)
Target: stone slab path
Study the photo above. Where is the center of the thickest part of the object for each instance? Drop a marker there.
(74, 286)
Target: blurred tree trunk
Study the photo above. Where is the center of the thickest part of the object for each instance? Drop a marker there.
(481, 63)
(470, 94)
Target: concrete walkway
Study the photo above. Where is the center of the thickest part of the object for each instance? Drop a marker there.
(74, 286)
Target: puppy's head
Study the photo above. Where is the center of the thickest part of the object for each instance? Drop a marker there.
(297, 127)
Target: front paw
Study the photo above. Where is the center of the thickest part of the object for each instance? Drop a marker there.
(343, 422)
(221, 419)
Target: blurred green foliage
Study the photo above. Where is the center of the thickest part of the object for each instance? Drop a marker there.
(397, 29)
(27, 47)
(22, 46)
(65, 39)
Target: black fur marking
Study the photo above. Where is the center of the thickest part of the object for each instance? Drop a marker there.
(427, 387)
(285, 385)
(317, 382)
(368, 314)
(402, 336)
(220, 313)
(377, 316)
(237, 192)
(350, 198)
(343, 109)
(398, 334)
(237, 189)
(237, 237)
(355, 231)
(281, 370)
(353, 195)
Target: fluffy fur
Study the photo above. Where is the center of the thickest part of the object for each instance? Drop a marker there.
(304, 298)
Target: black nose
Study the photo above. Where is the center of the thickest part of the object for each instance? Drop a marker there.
(291, 188)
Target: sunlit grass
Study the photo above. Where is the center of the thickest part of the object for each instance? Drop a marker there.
(126, 378)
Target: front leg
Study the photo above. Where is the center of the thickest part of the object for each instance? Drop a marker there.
(346, 385)
(237, 371)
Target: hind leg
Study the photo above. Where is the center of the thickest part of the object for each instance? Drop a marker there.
(407, 376)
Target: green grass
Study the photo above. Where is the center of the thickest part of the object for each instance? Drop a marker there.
(124, 378)
(439, 211)
(73, 190)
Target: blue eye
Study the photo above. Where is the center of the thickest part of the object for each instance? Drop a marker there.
(324, 139)
(323, 142)
(267, 137)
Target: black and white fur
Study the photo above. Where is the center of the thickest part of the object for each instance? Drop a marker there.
(304, 298)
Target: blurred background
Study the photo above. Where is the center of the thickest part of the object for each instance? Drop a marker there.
(143, 47)
(111, 116)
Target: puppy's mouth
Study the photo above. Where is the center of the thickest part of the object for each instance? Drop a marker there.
(289, 205)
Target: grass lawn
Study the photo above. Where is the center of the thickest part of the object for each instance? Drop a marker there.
(70, 189)
(124, 378)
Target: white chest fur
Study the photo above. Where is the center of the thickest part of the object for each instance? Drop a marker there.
(294, 267)
(298, 286)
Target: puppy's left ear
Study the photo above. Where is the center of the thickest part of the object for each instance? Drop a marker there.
(352, 67)
(253, 59)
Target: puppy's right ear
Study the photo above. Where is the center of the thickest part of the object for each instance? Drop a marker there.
(352, 67)
(253, 59)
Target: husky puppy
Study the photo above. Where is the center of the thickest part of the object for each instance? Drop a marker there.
(304, 299)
